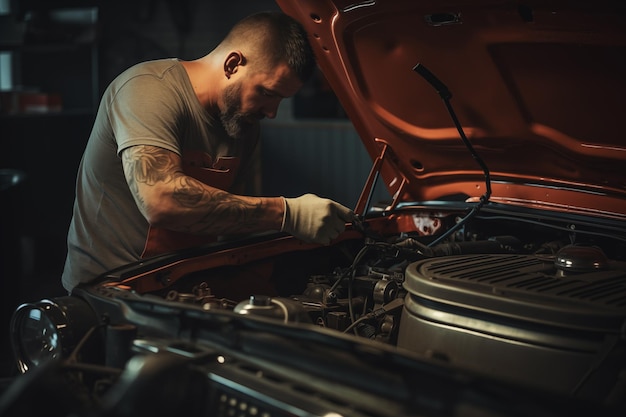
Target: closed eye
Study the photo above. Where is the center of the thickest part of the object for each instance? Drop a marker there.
(266, 93)
(269, 93)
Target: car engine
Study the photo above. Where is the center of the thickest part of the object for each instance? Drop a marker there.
(500, 294)
(538, 302)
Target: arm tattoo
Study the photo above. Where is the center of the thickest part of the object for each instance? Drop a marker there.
(222, 212)
(188, 192)
(217, 211)
(225, 213)
(147, 165)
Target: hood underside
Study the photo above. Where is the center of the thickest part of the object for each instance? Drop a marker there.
(538, 88)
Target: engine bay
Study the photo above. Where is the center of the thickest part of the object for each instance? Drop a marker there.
(353, 286)
(535, 301)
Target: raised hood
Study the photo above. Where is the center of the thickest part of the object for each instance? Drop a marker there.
(539, 88)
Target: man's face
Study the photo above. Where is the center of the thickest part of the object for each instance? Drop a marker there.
(253, 96)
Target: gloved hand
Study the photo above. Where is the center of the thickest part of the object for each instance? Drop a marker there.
(315, 219)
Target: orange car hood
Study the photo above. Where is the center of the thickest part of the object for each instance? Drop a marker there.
(539, 89)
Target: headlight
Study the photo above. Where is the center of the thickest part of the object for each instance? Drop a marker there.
(49, 329)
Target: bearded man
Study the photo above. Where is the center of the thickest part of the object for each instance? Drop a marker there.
(171, 142)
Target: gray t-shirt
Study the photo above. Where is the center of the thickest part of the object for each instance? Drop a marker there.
(151, 103)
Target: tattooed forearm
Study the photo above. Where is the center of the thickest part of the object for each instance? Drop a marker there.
(169, 198)
(189, 192)
(230, 214)
(221, 212)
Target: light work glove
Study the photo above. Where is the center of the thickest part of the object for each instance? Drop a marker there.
(315, 219)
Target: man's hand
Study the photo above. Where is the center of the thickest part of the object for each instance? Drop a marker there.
(314, 219)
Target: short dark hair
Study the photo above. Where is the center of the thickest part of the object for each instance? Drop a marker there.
(278, 38)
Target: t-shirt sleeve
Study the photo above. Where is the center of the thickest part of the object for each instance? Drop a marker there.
(144, 111)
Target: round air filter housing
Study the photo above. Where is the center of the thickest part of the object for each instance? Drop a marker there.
(520, 318)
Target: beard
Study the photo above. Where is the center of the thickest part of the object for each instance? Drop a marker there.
(236, 123)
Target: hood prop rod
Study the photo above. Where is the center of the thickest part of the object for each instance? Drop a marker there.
(366, 194)
(365, 200)
(446, 95)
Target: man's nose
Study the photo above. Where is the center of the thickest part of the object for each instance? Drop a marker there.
(270, 110)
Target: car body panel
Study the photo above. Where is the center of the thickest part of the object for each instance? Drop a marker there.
(538, 89)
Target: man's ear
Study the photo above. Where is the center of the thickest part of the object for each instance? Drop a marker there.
(232, 63)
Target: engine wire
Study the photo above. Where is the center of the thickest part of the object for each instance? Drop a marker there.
(351, 272)
(446, 95)
(352, 267)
